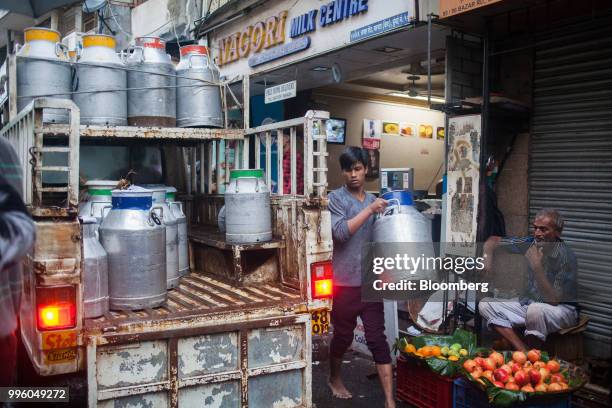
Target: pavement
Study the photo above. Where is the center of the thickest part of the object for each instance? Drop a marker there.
(359, 375)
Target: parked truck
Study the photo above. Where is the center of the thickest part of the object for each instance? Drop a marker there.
(238, 330)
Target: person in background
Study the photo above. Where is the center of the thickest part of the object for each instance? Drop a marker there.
(352, 217)
(17, 235)
(549, 304)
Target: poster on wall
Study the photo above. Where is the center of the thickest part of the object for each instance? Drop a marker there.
(463, 177)
(372, 129)
(440, 133)
(373, 164)
(407, 129)
(370, 144)
(426, 131)
(390, 128)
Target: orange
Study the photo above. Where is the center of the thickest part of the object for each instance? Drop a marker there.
(409, 348)
(435, 351)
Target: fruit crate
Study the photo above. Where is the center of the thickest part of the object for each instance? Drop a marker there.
(418, 385)
(467, 395)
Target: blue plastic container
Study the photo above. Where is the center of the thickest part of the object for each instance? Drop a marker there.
(467, 395)
(404, 197)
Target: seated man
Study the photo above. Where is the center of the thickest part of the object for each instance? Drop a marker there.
(548, 305)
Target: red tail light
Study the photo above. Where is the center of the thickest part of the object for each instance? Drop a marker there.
(322, 279)
(56, 307)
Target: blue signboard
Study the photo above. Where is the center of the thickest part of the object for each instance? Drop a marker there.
(280, 51)
(379, 27)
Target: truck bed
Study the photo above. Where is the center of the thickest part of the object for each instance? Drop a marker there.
(200, 296)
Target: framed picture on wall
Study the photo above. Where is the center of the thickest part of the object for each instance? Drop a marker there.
(336, 130)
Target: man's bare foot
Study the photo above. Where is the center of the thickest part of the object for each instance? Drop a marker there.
(338, 389)
(390, 404)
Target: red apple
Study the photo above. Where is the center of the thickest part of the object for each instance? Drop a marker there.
(527, 365)
(521, 377)
(477, 373)
(534, 376)
(557, 378)
(498, 384)
(511, 379)
(507, 368)
(479, 361)
(489, 364)
(516, 367)
(498, 358)
(527, 388)
(469, 365)
(512, 386)
(501, 375)
(554, 387)
(519, 357)
(541, 387)
(534, 355)
(539, 364)
(553, 366)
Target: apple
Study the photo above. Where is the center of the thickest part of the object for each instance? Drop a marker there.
(534, 355)
(527, 388)
(554, 387)
(500, 375)
(499, 384)
(489, 364)
(557, 378)
(507, 368)
(519, 357)
(527, 365)
(544, 373)
(516, 367)
(488, 374)
(553, 366)
(512, 386)
(479, 361)
(511, 379)
(534, 376)
(539, 364)
(498, 358)
(469, 365)
(541, 387)
(521, 377)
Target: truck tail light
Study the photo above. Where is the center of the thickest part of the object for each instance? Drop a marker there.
(56, 307)
(322, 279)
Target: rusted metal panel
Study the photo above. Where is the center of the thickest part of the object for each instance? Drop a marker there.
(132, 364)
(278, 390)
(201, 355)
(146, 132)
(275, 346)
(57, 250)
(220, 395)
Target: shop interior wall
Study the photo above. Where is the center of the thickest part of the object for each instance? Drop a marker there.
(424, 155)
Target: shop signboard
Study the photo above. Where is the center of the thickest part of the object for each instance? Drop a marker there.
(450, 8)
(281, 92)
(287, 31)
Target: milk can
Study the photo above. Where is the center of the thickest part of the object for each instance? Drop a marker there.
(98, 196)
(171, 224)
(181, 219)
(198, 102)
(43, 68)
(152, 83)
(134, 237)
(99, 70)
(248, 216)
(95, 271)
(404, 230)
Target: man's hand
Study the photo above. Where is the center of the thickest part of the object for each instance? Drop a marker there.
(534, 256)
(378, 206)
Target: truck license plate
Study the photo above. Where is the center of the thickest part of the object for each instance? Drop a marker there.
(319, 321)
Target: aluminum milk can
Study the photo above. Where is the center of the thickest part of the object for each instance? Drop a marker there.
(248, 216)
(181, 219)
(43, 68)
(171, 224)
(149, 67)
(198, 103)
(101, 108)
(95, 271)
(98, 197)
(134, 237)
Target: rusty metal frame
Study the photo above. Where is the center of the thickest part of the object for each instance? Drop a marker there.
(173, 384)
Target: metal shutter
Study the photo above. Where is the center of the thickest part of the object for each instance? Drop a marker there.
(571, 159)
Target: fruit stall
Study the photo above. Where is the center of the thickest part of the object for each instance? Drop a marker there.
(435, 371)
